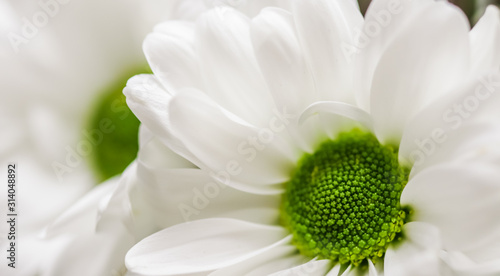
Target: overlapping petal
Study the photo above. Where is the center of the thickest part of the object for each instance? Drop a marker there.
(442, 50)
(274, 259)
(485, 42)
(202, 245)
(458, 196)
(474, 102)
(418, 255)
(323, 29)
(229, 67)
(234, 151)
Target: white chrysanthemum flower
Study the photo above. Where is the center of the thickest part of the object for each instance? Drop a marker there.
(371, 143)
(59, 60)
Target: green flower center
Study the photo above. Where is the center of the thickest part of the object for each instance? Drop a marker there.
(342, 202)
(113, 131)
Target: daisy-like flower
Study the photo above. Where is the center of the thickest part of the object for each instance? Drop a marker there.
(63, 67)
(372, 142)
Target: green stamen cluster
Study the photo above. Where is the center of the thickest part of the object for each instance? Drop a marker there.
(342, 202)
(113, 131)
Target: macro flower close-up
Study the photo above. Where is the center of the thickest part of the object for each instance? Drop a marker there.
(323, 138)
(373, 141)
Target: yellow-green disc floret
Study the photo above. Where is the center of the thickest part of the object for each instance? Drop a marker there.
(342, 202)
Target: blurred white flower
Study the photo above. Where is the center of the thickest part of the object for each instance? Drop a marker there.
(370, 144)
(58, 61)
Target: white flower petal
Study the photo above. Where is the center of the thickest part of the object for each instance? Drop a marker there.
(202, 245)
(334, 271)
(418, 253)
(462, 265)
(117, 210)
(171, 55)
(104, 223)
(459, 199)
(350, 271)
(228, 65)
(165, 189)
(180, 195)
(475, 101)
(338, 108)
(252, 8)
(312, 268)
(281, 61)
(149, 102)
(279, 264)
(486, 254)
(325, 120)
(248, 156)
(283, 65)
(105, 251)
(485, 41)
(384, 20)
(445, 147)
(323, 28)
(274, 259)
(157, 156)
(434, 45)
(82, 216)
(191, 9)
(372, 271)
